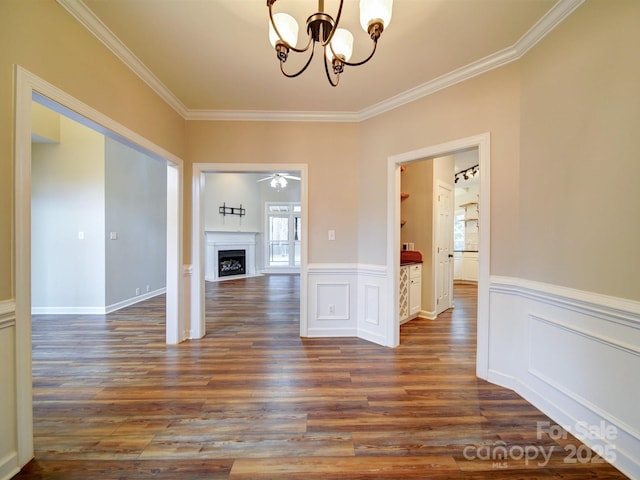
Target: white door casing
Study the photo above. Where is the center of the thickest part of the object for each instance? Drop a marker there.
(483, 143)
(28, 86)
(197, 234)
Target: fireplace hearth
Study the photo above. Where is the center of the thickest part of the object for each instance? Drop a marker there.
(231, 262)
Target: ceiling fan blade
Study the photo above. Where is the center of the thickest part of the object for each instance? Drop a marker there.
(277, 175)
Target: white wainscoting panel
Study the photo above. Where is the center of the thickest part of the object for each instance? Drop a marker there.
(348, 300)
(332, 304)
(372, 303)
(8, 394)
(573, 354)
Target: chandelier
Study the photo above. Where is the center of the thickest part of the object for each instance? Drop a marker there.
(322, 29)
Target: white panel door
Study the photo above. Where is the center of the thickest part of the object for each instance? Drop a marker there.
(444, 247)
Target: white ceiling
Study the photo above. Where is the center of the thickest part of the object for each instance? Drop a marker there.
(212, 58)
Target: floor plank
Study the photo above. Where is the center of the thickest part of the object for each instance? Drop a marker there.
(254, 400)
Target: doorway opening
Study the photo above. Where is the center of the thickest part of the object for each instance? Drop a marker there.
(482, 144)
(30, 88)
(211, 230)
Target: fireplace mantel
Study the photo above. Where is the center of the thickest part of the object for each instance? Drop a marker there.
(227, 240)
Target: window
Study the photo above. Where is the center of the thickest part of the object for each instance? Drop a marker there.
(284, 228)
(459, 227)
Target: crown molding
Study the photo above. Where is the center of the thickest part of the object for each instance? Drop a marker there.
(556, 15)
(78, 10)
(271, 116)
(537, 32)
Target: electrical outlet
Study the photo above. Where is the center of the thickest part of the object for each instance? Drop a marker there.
(148, 288)
(80, 235)
(332, 309)
(137, 291)
(331, 235)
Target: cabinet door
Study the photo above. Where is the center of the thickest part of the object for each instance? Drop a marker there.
(415, 296)
(404, 293)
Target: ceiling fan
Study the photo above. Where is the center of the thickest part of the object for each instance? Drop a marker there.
(279, 180)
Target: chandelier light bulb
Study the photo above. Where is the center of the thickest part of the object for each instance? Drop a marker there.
(374, 10)
(342, 44)
(288, 28)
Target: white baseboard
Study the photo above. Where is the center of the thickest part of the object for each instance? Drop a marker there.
(574, 355)
(133, 300)
(68, 310)
(98, 310)
(331, 332)
(9, 466)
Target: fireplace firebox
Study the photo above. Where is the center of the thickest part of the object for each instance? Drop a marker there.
(231, 262)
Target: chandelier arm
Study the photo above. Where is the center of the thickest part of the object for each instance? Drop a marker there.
(275, 28)
(293, 75)
(326, 69)
(337, 22)
(357, 64)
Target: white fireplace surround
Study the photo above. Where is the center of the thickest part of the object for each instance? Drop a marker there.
(220, 240)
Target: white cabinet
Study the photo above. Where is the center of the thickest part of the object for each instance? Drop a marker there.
(465, 266)
(410, 291)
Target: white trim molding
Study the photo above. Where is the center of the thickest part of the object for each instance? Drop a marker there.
(198, 245)
(27, 87)
(99, 310)
(348, 300)
(9, 465)
(78, 10)
(483, 143)
(574, 355)
(561, 10)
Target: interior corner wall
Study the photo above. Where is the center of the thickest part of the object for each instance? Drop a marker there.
(67, 239)
(136, 214)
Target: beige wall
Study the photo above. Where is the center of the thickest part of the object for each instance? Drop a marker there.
(41, 37)
(489, 103)
(331, 152)
(580, 155)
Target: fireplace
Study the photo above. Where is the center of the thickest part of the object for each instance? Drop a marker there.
(221, 242)
(231, 262)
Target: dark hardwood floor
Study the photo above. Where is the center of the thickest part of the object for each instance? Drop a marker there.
(252, 400)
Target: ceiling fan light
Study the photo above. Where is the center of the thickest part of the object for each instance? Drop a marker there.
(342, 44)
(288, 28)
(372, 10)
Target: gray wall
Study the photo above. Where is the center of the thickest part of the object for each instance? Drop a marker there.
(87, 185)
(136, 211)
